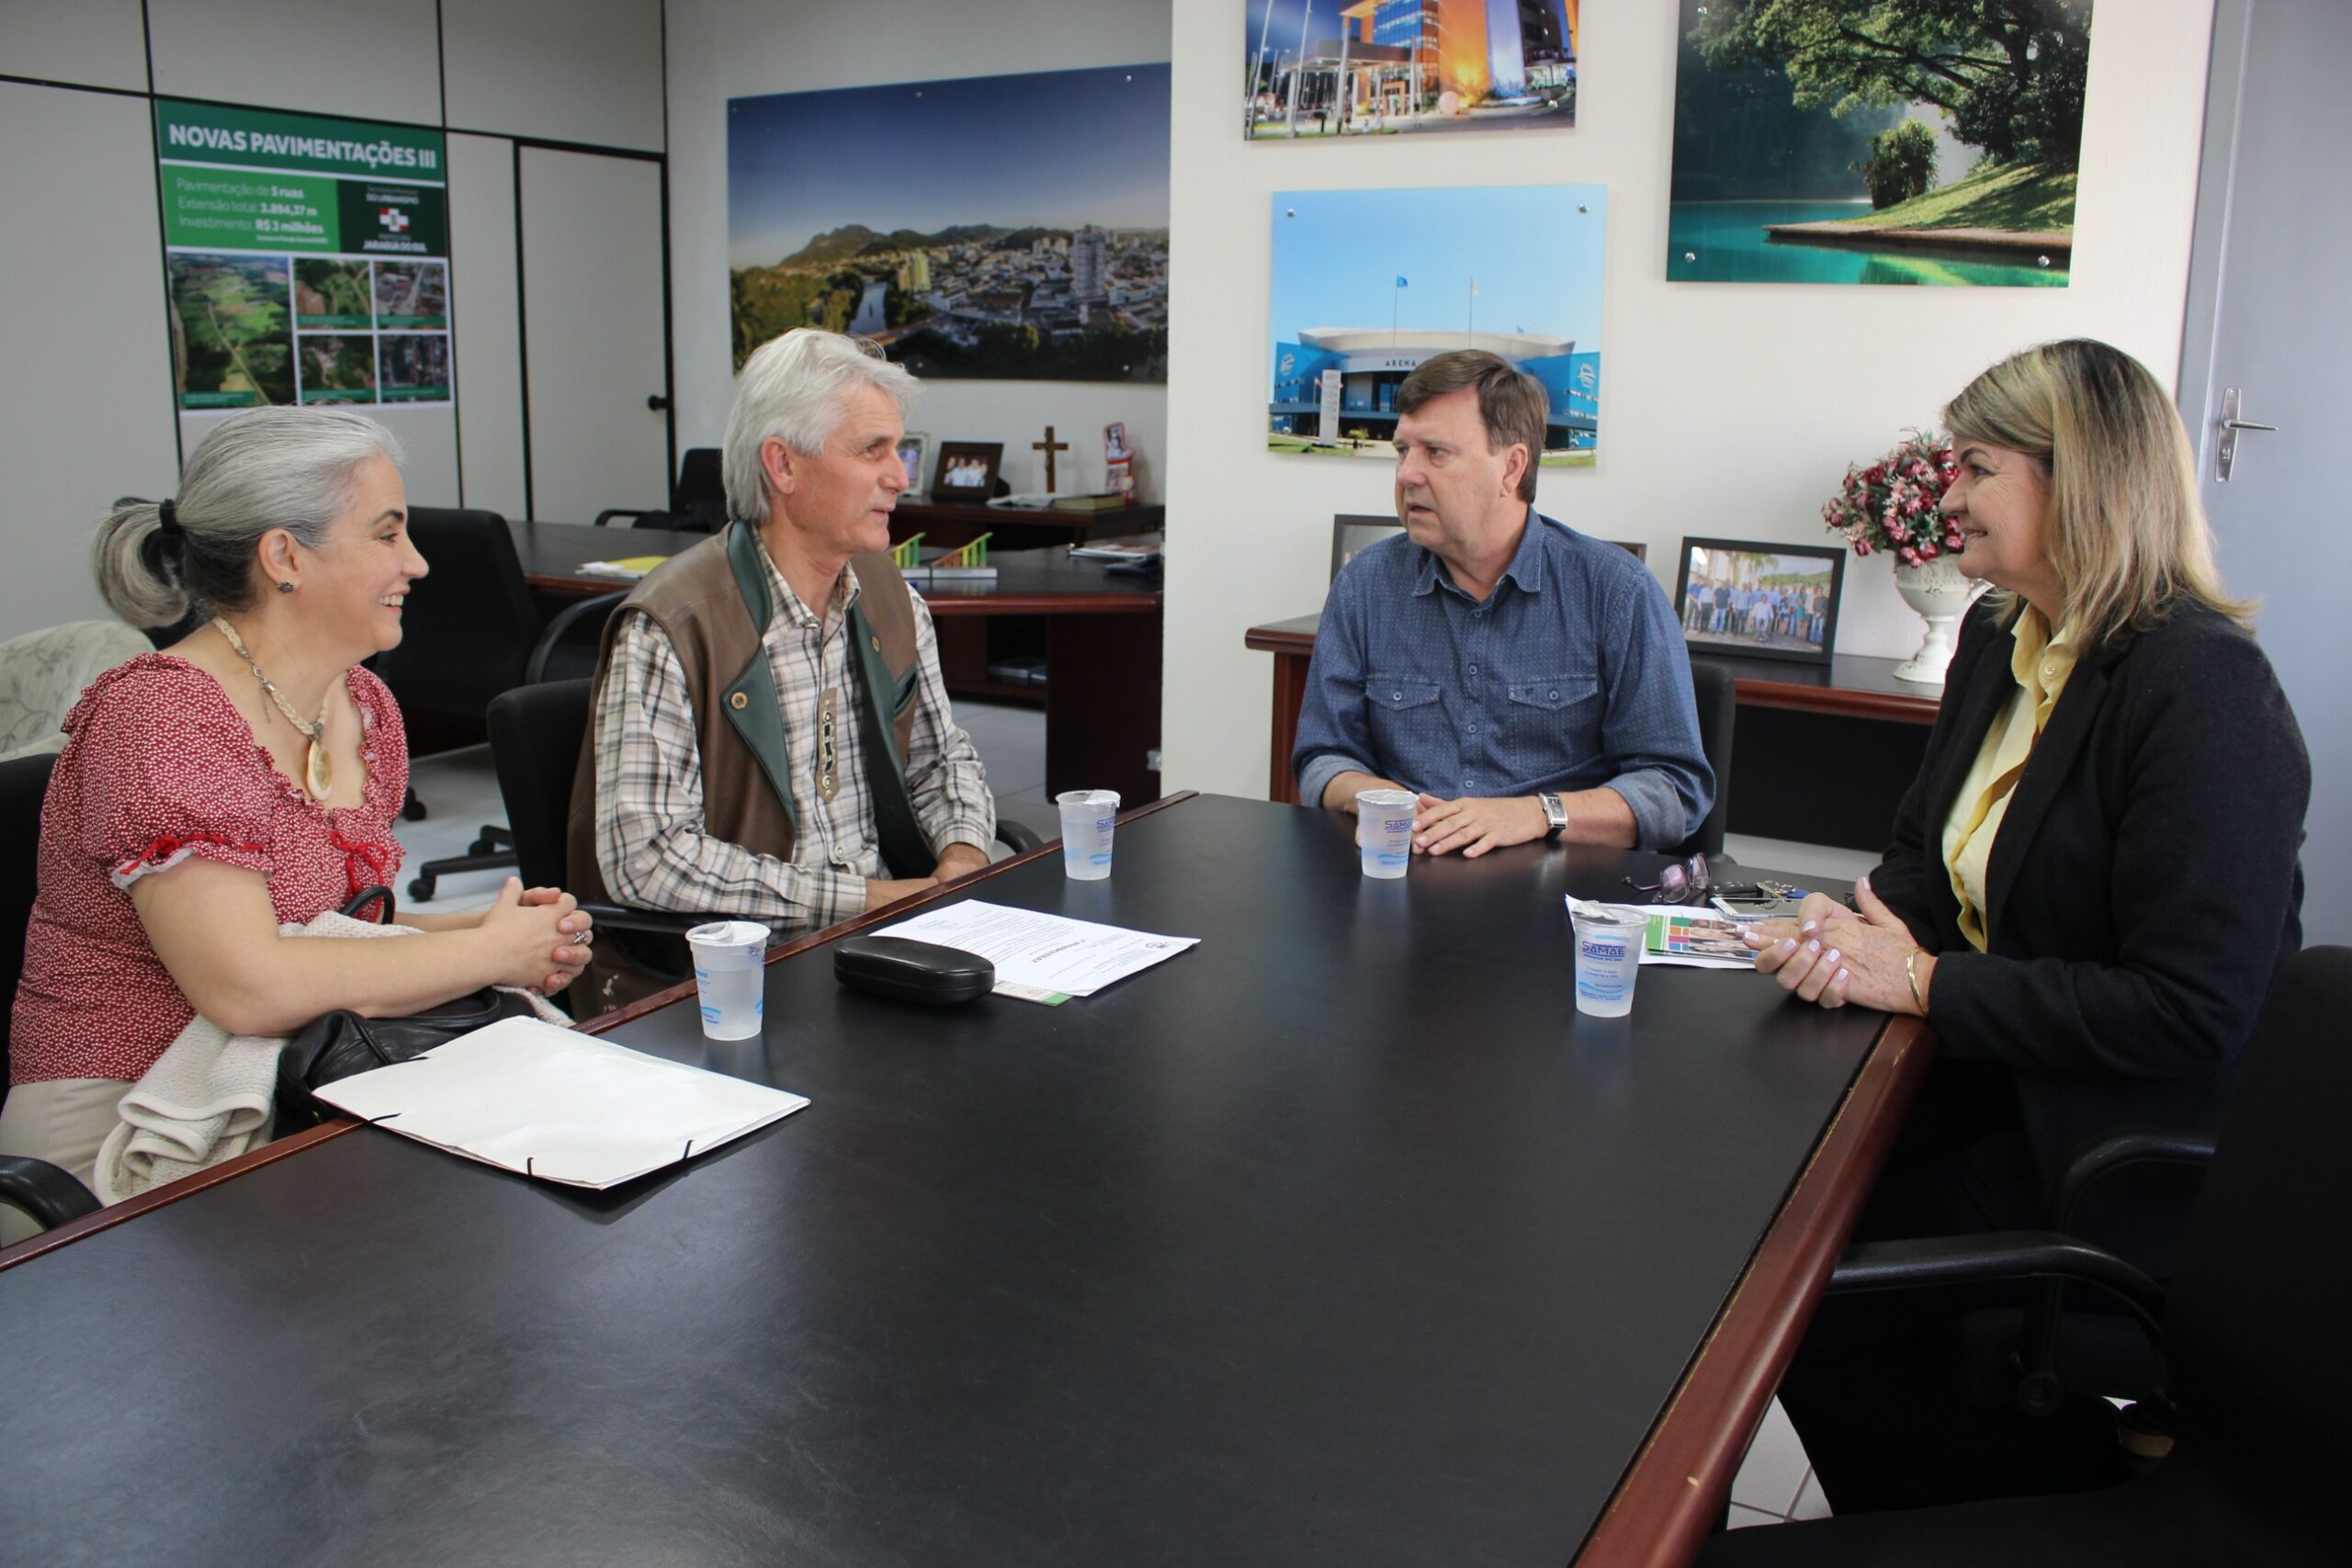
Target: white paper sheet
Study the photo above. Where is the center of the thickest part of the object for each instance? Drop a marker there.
(547, 1103)
(1041, 958)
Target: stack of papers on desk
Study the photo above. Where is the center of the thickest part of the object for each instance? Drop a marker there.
(543, 1101)
(1041, 958)
(1681, 934)
(628, 569)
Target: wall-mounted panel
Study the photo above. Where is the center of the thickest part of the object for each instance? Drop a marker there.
(86, 414)
(372, 59)
(95, 42)
(586, 71)
(489, 321)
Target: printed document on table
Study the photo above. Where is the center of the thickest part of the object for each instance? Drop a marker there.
(1041, 958)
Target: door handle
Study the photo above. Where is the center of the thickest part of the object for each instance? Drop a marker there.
(657, 402)
(2226, 455)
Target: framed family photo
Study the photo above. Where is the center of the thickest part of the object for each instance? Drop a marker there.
(1759, 600)
(1351, 532)
(966, 470)
(914, 446)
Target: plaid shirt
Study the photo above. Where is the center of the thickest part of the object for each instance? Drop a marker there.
(651, 841)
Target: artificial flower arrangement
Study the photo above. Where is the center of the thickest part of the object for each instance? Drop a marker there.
(1892, 504)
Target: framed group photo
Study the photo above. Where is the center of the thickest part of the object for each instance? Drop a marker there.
(966, 470)
(912, 448)
(1760, 600)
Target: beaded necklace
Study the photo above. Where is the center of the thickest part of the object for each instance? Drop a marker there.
(318, 771)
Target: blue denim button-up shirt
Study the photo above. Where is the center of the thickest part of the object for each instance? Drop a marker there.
(1572, 675)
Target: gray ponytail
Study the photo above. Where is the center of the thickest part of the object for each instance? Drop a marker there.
(275, 467)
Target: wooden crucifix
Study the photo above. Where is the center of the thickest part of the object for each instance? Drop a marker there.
(1049, 446)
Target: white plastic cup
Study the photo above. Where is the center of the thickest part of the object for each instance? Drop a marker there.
(1608, 956)
(1384, 829)
(1087, 818)
(730, 974)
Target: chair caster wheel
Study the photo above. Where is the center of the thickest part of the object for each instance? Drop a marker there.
(481, 847)
(412, 809)
(421, 890)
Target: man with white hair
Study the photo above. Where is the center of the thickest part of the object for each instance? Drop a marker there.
(772, 734)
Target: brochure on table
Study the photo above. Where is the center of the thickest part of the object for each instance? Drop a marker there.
(1682, 934)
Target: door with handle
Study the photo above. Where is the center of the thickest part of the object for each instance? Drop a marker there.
(594, 349)
(2267, 334)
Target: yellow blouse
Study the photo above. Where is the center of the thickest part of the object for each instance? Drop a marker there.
(2040, 663)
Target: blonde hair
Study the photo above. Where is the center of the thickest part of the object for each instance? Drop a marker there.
(2126, 533)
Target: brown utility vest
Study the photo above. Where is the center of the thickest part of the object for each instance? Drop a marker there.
(713, 602)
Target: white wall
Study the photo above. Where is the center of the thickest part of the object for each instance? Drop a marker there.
(85, 408)
(728, 48)
(1727, 408)
(86, 402)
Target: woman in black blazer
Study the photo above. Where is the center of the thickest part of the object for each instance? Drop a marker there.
(2093, 878)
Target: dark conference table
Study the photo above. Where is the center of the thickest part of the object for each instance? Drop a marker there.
(1102, 641)
(1340, 1239)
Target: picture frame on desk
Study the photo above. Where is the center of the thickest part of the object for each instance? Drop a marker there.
(1351, 532)
(914, 446)
(1757, 599)
(966, 470)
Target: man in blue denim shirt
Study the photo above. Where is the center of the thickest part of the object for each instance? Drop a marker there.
(1528, 681)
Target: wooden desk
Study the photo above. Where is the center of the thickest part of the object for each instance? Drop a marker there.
(1340, 1239)
(1855, 711)
(1102, 642)
(1018, 527)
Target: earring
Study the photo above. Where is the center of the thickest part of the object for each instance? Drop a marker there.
(286, 588)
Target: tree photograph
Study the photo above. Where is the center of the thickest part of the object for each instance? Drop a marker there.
(1892, 141)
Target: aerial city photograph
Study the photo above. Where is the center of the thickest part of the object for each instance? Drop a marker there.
(1022, 231)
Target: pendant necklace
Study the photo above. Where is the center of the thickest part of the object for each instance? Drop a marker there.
(317, 771)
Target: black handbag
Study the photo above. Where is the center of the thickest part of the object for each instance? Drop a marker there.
(338, 1044)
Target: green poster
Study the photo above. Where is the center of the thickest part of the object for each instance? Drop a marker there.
(308, 257)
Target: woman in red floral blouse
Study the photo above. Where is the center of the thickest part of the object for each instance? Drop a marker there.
(242, 781)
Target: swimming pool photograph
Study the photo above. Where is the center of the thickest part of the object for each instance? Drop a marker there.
(1943, 153)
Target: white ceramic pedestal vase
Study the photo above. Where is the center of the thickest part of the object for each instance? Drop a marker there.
(1938, 593)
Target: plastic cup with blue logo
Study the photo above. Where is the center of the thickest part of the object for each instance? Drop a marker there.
(1087, 819)
(1608, 956)
(1384, 829)
(731, 977)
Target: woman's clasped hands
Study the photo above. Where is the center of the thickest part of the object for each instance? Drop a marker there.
(541, 934)
(1833, 955)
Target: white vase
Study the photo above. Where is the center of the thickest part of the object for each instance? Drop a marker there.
(1938, 593)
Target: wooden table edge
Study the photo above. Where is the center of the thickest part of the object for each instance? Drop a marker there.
(1273, 640)
(1841, 702)
(171, 1192)
(1674, 1491)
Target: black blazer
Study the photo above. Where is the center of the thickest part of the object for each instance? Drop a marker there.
(2143, 889)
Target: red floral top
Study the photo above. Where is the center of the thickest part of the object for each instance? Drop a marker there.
(160, 766)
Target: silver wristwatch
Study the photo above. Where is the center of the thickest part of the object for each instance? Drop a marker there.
(1555, 812)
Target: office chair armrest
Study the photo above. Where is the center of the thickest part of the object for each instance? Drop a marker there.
(1995, 1255)
(2040, 1390)
(661, 922)
(611, 512)
(2110, 1155)
(46, 1192)
(551, 637)
(1015, 837)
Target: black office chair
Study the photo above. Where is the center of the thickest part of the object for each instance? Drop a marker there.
(42, 1191)
(1718, 701)
(697, 498)
(2252, 1330)
(470, 631)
